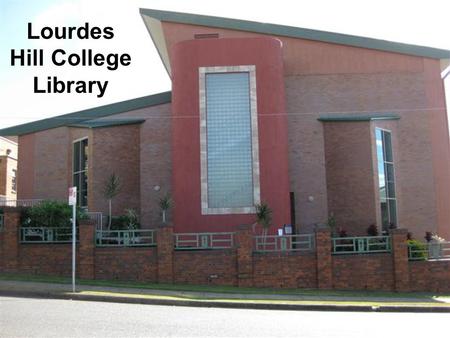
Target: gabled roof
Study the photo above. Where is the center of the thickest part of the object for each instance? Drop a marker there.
(153, 19)
(85, 115)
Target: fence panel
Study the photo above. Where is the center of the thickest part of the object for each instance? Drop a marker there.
(125, 238)
(274, 243)
(204, 240)
(20, 203)
(97, 217)
(428, 251)
(46, 235)
(358, 245)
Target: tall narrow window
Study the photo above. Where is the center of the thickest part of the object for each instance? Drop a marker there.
(388, 203)
(80, 170)
(14, 181)
(229, 140)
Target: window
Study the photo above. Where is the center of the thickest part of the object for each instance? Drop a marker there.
(386, 180)
(229, 140)
(80, 170)
(14, 181)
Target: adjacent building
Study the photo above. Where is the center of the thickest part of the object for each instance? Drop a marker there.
(314, 124)
(8, 169)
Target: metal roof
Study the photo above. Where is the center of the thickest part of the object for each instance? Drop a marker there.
(106, 123)
(296, 32)
(78, 117)
(356, 118)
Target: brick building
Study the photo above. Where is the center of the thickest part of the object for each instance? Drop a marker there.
(312, 123)
(8, 169)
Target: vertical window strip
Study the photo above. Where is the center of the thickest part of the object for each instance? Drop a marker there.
(80, 170)
(386, 178)
(228, 140)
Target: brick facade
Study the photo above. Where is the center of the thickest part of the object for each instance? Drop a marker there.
(238, 266)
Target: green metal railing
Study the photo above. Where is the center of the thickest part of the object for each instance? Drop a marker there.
(45, 235)
(20, 202)
(2, 221)
(427, 251)
(284, 243)
(204, 240)
(360, 245)
(125, 238)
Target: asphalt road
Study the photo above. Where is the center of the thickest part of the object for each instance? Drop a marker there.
(26, 317)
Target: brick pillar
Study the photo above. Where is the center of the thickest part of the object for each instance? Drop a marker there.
(244, 254)
(86, 250)
(400, 259)
(11, 239)
(323, 257)
(164, 249)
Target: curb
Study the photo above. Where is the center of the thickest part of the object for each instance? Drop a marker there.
(226, 305)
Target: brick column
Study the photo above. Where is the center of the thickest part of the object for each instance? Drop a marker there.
(244, 254)
(400, 259)
(323, 257)
(164, 249)
(86, 250)
(11, 239)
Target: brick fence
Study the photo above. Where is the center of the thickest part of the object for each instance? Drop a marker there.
(239, 266)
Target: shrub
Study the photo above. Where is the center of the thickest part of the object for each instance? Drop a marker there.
(129, 221)
(372, 230)
(53, 214)
(418, 250)
(118, 222)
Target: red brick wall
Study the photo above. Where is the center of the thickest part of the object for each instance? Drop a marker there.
(238, 267)
(205, 267)
(363, 272)
(138, 264)
(350, 175)
(115, 150)
(431, 276)
(284, 270)
(42, 259)
(25, 166)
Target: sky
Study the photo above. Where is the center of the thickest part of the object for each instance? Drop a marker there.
(424, 23)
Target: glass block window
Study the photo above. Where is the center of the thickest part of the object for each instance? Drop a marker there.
(80, 170)
(228, 140)
(386, 179)
(229, 143)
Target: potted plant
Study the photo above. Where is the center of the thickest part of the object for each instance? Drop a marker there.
(165, 203)
(263, 218)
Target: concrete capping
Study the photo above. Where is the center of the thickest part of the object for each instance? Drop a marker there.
(206, 210)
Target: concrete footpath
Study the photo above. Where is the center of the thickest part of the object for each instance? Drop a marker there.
(320, 301)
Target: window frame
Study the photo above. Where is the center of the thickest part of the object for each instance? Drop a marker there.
(80, 171)
(385, 163)
(14, 181)
(205, 209)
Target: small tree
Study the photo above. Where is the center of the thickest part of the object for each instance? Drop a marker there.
(131, 219)
(165, 203)
(111, 189)
(263, 218)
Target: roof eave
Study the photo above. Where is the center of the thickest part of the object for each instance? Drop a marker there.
(87, 114)
(288, 31)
